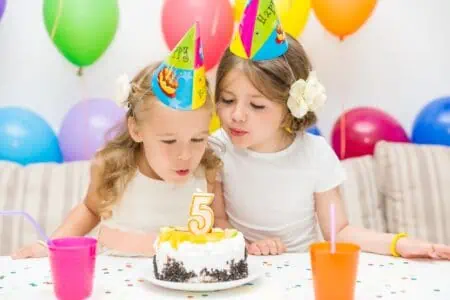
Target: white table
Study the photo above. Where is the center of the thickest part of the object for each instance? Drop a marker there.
(286, 277)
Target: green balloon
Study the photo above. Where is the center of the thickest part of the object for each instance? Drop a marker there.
(84, 28)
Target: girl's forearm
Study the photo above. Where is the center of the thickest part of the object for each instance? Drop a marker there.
(80, 221)
(368, 240)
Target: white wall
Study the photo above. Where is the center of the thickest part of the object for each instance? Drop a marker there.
(398, 61)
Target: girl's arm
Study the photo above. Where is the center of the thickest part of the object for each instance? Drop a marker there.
(369, 241)
(80, 221)
(83, 217)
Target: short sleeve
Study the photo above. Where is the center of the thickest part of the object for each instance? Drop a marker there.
(331, 171)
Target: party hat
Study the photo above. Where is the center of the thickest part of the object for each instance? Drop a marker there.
(180, 81)
(260, 36)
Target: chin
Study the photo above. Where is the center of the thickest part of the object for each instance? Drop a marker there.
(241, 143)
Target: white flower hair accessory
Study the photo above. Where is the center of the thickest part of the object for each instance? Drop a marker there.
(123, 89)
(306, 96)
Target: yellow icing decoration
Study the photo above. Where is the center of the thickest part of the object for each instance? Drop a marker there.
(176, 237)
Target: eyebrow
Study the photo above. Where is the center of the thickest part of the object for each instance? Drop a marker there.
(167, 134)
(251, 95)
(228, 92)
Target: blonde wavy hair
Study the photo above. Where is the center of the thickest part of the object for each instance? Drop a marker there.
(273, 79)
(119, 157)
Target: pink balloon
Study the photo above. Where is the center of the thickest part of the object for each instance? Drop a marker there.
(364, 127)
(216, 25)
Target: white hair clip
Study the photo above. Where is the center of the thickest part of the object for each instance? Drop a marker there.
(123, 89)
(306, 96)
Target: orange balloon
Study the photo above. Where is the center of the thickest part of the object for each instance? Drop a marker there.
(343, 17)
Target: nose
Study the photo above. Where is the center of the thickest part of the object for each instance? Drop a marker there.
(185, 153)
(239, 114)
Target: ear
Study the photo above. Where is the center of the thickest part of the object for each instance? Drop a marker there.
(134, 131)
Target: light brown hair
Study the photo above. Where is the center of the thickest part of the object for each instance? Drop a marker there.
(273, 79)
(119, 157)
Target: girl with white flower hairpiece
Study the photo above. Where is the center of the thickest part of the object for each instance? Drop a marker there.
(277, 177)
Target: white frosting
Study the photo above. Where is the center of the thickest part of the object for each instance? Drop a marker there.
(196, 257)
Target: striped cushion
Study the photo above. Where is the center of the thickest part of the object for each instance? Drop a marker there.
(360, 194)
(415, 181)
(46, 191)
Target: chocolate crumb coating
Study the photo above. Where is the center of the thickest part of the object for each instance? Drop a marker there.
(172, 271)
(176, 272)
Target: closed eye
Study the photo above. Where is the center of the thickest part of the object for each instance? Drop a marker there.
(257, 106)
(169, 142)
(198, 140)
(227, 101)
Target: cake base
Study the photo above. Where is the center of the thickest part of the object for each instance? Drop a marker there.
(176, 272)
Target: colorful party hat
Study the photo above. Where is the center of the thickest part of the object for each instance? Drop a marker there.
(260, 36)
(180, 81)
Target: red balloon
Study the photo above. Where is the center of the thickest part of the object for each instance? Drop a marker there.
(364, 127)
(216, 25)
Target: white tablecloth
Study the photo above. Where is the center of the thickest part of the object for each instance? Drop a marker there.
(286, 277)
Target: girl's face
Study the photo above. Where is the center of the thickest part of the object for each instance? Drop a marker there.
(250, 119)
(173, 141)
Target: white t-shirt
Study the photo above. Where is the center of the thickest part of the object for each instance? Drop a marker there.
(272, 194)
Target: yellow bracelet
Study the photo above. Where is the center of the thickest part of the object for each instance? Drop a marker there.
(394, 243)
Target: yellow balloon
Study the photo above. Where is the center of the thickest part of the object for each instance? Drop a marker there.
(293, 14)
(215, 124)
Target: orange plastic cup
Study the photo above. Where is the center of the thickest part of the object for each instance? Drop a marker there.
(334, 275)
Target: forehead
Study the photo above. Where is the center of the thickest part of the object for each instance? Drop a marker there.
(163, 119)
(236, 81)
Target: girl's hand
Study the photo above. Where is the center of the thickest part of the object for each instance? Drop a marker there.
(31, 251)
(412, 248)
(272, 246)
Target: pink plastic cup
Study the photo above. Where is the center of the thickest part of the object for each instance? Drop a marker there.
(72, 261)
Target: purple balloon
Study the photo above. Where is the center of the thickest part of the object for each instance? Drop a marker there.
(87, 127)
(2, 7)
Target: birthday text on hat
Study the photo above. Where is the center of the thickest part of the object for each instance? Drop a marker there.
(267, 13)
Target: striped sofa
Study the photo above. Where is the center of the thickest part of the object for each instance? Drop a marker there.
(403, 187)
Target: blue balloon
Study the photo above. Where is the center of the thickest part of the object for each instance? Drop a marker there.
(314, 130)
(432, 125)
(26, 138)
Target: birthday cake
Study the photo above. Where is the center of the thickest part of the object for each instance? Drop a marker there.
(216, 256)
